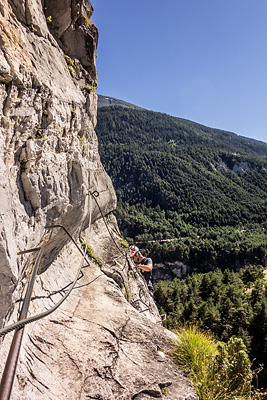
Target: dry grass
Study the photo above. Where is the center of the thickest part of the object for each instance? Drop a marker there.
(210, 366)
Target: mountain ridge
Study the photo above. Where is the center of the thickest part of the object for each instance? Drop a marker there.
(108, 101)
(179, 179)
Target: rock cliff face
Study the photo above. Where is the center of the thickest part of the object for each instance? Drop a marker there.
(106, 340)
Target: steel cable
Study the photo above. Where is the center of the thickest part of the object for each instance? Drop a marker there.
(25, 321)
(19, 324)
(94, 195)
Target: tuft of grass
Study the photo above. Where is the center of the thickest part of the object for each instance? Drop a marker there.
(90, 88)
(194, 350)
(91, 253)
(127, 291)
(125, 243)
(88, 21)
(164, 391)
(69, 61)
(218, 371)
(40, 134)
(72, 71)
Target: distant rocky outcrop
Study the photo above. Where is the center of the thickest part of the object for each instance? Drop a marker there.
(169, 270)
(106, 341)
(238, 169)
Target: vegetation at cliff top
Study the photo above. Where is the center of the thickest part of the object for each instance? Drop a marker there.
(177, 179)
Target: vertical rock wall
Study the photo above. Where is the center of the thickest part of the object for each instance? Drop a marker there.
(106, 340)
(49, 150)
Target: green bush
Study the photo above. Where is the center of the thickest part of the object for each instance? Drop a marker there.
(218, 371)
(232, 368)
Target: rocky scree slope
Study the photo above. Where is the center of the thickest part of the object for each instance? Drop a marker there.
(104, 341)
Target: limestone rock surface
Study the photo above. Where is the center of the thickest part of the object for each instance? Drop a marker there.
(106, 341)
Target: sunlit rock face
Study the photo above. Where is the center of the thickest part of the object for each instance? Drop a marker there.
(49, 150)
(106, 341)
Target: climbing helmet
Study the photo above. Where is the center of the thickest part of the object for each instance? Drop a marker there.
(133, 250)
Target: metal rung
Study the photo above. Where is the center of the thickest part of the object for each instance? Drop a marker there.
(147, 309)
(28, 251)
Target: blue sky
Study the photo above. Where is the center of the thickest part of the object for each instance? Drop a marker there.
(203, 60)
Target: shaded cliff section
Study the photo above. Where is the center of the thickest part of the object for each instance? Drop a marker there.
(106, 341)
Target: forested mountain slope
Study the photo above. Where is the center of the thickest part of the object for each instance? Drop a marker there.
(178, 179)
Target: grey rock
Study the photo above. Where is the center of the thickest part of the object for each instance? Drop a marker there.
(221, 168)
(169, 270)
(104, 340)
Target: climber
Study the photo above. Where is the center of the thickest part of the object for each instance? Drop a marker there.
(144, 263)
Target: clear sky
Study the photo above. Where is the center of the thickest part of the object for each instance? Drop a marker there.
(203, 60)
